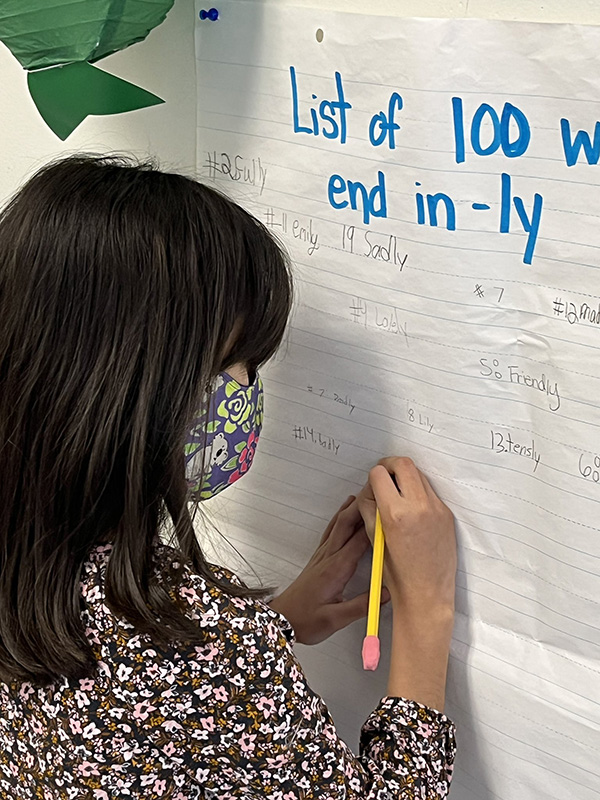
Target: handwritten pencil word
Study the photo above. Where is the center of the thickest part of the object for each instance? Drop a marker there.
(237, 168)
(378, 246)
(299, 229)
(504, 443)
(416, 417)
(384, 318)
(480, 290)
(344, 400)
(514, 374)
(576, 313)
(306, 434)
(587, 470)
(304, 232)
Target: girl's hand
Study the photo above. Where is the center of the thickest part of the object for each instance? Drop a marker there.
(420, 570)
(420, 543)
(314, 603)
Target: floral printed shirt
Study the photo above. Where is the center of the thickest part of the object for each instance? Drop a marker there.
(233, 717)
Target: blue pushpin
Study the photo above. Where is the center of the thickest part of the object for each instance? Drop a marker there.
(212, 14)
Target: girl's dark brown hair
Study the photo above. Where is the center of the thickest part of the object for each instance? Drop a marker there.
(119, 287)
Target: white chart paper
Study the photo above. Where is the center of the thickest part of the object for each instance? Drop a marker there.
(437, 185)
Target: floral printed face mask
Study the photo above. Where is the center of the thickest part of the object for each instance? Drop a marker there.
(222, 440)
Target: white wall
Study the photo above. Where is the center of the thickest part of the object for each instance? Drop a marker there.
(164, 64)
(580, 11)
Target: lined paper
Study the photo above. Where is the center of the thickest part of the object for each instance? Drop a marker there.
(453, 316)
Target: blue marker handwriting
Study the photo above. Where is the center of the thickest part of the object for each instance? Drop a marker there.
(477, 129)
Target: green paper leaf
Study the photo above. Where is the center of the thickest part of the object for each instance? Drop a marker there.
(65, 96)
(40, 33)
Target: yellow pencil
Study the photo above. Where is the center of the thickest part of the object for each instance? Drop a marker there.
(370, 648)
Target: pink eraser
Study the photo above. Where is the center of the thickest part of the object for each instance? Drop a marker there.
(370, 652)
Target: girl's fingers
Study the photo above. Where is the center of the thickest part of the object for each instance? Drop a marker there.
(347, 502)
(356, 546)
(344, 527)
(430, 492)
(434, 499)
(385, 492)
(407, 476)
(366, 505)
(355, 608)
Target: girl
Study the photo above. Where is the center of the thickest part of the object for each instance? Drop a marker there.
(135, 309)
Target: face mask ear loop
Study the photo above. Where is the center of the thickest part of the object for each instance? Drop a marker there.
(209, 415)
(228, 433)
(201, 418)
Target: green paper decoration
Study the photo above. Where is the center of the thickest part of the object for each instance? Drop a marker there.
(57, 41)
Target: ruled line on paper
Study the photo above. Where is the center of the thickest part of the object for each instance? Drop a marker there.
(529, 691)
(569, 634)
(357, 112)
(346, 154)
(445, 91)
(443, 412)
(492, 250)
(451, 502)
(468, 524)
(536, 576)
(398, 373)
(516, 572)
(513, 609)
(438, 435)
(553, 756)
(466, 247)
(581, 742)
(301, 171)
(245, 506)
(439, 317)
(508, 777)
(401, 290)
(251, 201)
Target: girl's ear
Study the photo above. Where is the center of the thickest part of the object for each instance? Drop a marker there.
(240, 373)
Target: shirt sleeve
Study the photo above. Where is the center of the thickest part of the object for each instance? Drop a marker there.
(237, 714)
